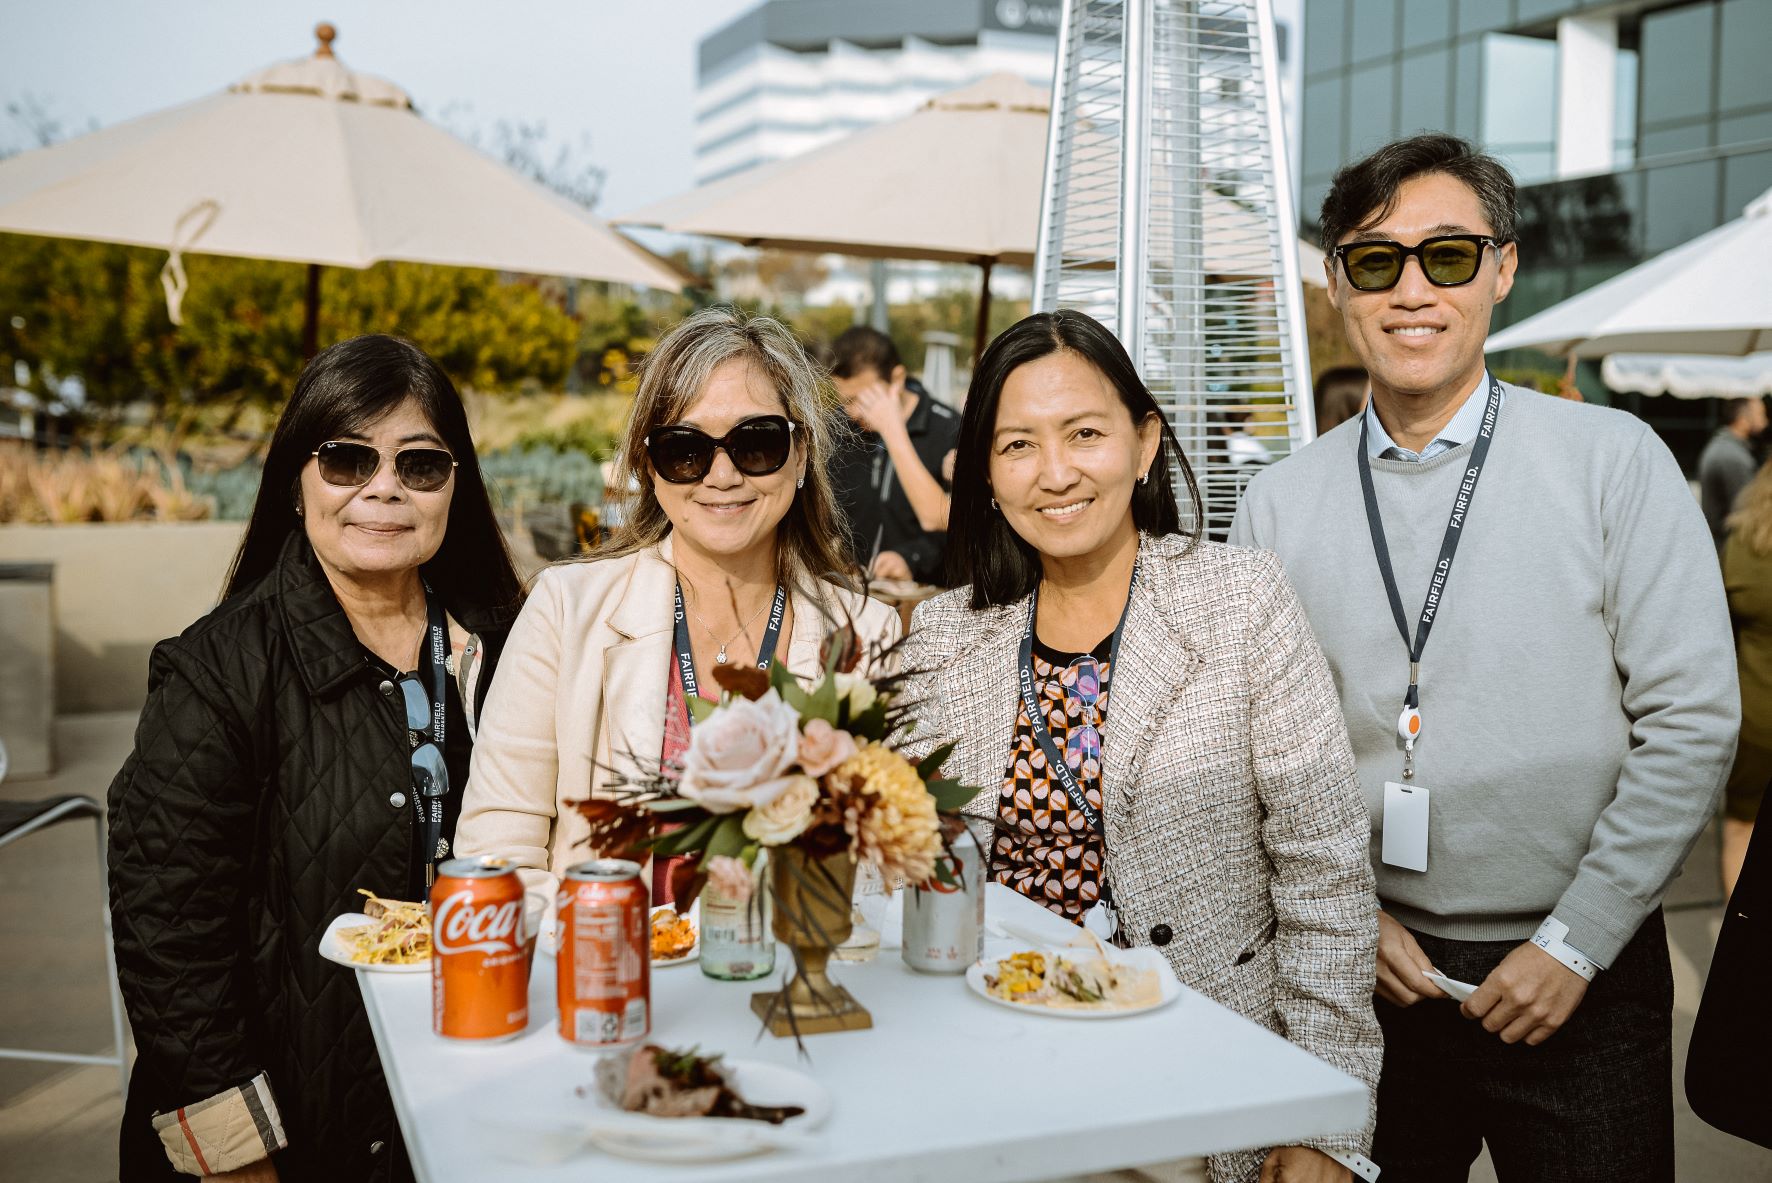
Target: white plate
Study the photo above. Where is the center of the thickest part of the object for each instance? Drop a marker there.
(715, 1139)
(694, 922)
(332, 947)
(1169, 988)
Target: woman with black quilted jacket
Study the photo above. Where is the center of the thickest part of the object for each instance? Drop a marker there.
(289, 755)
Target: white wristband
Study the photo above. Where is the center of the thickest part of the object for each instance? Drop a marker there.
(1359, 1164)
(1550, 938)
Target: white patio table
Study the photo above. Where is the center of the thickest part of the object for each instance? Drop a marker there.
(946, 1086)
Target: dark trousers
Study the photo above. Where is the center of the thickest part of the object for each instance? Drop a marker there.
(1592, 1102)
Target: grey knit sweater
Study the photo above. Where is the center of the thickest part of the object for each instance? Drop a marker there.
(1578, 696)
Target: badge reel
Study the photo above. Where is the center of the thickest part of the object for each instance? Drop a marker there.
(1404, 838)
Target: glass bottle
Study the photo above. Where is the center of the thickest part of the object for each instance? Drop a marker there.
(736, 942)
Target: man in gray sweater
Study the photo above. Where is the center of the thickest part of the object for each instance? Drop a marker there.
(1521, 606)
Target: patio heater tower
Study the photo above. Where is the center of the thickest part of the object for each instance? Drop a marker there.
(1167, 214)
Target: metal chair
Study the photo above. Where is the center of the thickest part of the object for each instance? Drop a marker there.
(18, 818)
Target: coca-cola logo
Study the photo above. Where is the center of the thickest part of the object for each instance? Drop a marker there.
(491, 928)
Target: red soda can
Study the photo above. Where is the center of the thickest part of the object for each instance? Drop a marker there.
(605, 959)
(479, 966)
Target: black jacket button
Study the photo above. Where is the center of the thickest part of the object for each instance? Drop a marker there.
(386, 688)
(1162, 935)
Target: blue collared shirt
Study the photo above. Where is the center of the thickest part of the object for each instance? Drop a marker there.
(1462, 429)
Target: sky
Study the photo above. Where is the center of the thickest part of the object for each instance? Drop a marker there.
(620, 72)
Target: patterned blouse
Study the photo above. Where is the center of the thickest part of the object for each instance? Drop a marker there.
(1044, 848)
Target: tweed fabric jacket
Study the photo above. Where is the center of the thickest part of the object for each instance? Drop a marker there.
(1233, 814)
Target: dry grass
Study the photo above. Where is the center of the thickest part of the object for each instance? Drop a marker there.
(108, 486)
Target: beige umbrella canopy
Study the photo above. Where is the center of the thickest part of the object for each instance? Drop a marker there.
(957, 181)
(309, 162)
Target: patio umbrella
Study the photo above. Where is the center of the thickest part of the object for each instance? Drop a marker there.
(1708, 295)
(957, 180)
(1689, 376)
(309, 162)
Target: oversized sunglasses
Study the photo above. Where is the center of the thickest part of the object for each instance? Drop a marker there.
(351, 465)
(430, 776)
(756, 447)
(1084, 743)
(1447, 260)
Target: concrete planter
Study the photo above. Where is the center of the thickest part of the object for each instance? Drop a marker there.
(117, 590)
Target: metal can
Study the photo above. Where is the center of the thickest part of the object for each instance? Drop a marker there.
(605, 959)
(479, 963)
(944, 922)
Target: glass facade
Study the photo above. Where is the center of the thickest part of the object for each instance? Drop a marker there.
(1692, 130)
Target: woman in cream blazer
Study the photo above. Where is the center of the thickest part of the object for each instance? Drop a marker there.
(732, 525)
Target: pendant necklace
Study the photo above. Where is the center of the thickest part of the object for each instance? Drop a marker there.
(720, 657)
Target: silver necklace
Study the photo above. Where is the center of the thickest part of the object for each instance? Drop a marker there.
(720, 657)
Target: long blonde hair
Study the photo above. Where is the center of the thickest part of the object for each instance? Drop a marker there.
(1752, 519)
(811, 536)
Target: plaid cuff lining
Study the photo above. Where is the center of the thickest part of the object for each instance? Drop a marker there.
(223, 1132)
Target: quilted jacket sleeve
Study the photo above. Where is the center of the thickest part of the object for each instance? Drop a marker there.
(182, 821)
(1316, 832)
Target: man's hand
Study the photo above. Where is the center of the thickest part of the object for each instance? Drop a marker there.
(1301, 1164)
(262, 1171)
(889, 564)
(1400, 963)
(1529, 996)
(878, 409)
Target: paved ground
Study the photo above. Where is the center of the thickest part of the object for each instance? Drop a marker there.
(58, 1124)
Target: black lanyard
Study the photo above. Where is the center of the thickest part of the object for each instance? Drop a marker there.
(1436, 589)
(765, 651)
(1030, 700)
(429, 807)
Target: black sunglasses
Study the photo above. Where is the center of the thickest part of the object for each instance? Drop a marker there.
(756, 447)
(352, 465)
(430, 776)
(1447, 260)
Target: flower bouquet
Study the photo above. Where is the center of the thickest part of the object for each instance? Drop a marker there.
(786, 789)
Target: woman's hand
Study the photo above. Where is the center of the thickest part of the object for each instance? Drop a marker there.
(1301, 1164)
(1400, 965)
(262, 1171)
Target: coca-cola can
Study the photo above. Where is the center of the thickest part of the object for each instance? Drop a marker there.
(944, 922)
(479, 962)
(605, 960)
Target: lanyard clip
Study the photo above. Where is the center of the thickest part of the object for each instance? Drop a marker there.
(1408, 729)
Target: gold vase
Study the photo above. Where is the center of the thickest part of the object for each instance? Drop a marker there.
(812, 917)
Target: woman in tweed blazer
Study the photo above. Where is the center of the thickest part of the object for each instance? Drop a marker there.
(1233, 834)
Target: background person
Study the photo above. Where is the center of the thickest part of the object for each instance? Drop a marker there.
(732, 509)
(886, 477)
(1747, 578)
(1576, 702)
(1728, 464)
(276, 772)
(1183, 757)
(1341, 393)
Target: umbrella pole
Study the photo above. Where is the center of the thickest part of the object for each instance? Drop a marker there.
(310, 328)
(982, 329)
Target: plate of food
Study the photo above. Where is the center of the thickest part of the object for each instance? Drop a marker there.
(673, 1105)
(1075, 983)
(676, 938)
(387, 936)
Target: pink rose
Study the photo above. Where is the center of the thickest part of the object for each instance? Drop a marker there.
(823, 747)
(730, 878)
(739, 755)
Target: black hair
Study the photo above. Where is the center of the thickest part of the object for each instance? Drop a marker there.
(859, 348)
(1734, 409)
(343, 390)
(1364, 192)
(982, 548)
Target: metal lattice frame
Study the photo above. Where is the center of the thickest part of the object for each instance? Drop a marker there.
(1167, 214)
